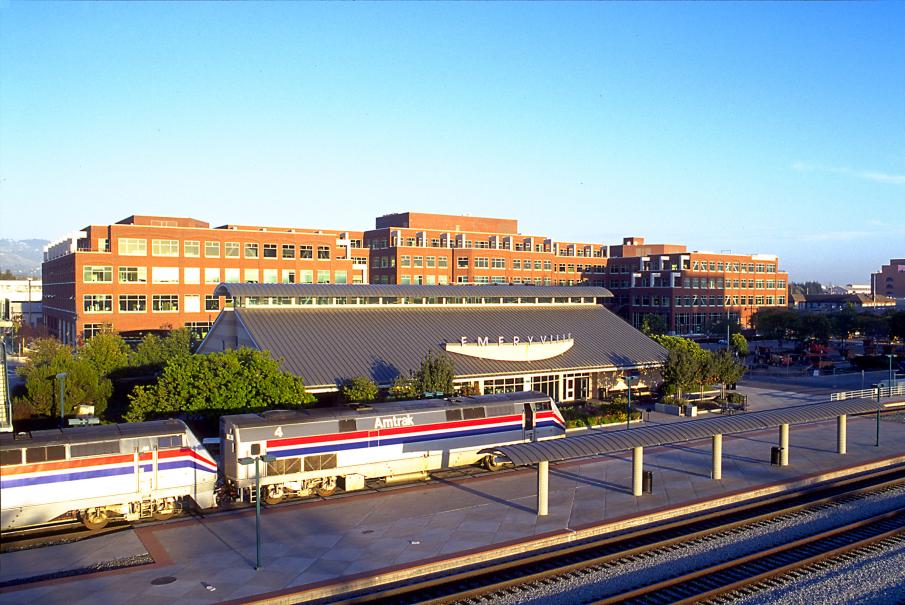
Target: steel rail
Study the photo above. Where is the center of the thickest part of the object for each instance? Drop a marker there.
(468, 583)
(690, 589)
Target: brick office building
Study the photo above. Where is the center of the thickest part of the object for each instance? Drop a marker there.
(889, 280)
(151, 273)
(691, 291)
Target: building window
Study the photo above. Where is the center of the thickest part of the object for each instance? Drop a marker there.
(442, 280)
(270, 276)
(165, 303)
(288, 251)
(128, 246)
(498, 279)
(462, 262)
(442, 262)
(306, 252)
(92, 330)
(232, 276)
(419, 262)
(306, 276)
(192, 275)
(212, 249)
(251, 250)
(323, 277)
(481, 279)
(133, 303)
(165, 275)
(251, 276)
(270, 251)
(481, 262)
(323, 253)
(340, 277)
(548, 265)
(97, 274)
(97, 303)
(405, 280)
(211, 275)
(499, 263)
(192, 303)
(231, 250)
(405, 261)
(211, 303)
(191, 248)
(164, 247)
(288, 276)
(133, 275)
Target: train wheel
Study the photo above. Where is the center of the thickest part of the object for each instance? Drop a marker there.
(274, 494)
(490, 463)
(93, 518)
(327, 488)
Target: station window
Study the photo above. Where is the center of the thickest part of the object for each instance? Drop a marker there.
(323, 253)
(270, 250)
(306, 252)
(288, 251)
(164, 247)
(251, 250)
(191, 248)
(231, 249)
(212, 249)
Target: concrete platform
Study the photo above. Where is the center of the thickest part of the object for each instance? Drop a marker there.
(327, 545)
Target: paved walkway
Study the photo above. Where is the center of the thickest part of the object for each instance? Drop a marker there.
(212, 559)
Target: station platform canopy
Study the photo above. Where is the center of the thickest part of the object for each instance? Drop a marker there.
(605, 442)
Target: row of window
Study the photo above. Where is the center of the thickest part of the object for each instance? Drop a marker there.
(138, 303)
(717, 283)
(50, 453)
(127, 246)
(212, 275)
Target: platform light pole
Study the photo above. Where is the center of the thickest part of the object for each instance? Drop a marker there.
(256, 460)
(892, 376)
(877, 443)
(62, 378)
(628, 411)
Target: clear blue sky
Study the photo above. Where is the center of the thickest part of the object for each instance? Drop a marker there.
(757, 127)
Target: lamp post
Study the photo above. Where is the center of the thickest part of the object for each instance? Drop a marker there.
(877, 443)
(256, 460)
(628, 412)
(892, 376)
(62, 378)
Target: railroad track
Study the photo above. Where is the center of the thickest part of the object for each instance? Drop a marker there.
(759, 568)
(546, 568)
(53, 533)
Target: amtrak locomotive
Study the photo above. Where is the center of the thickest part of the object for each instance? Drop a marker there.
(154, 469)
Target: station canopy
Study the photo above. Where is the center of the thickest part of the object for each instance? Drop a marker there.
(605, 442)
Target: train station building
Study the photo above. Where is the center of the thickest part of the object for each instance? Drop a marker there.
(558, 340)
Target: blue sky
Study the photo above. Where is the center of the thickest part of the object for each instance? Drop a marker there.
(776, 128)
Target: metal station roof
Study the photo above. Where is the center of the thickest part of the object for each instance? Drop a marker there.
(375, 290)
(327, 345)
(617, 441)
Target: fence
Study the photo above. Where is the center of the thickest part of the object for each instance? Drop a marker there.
(899, 389)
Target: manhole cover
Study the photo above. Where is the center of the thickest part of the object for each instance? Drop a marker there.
(368, 531)
(163, 580)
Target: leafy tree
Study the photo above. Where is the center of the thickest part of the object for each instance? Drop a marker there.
(874, 326)
(106, 352)
(435, 374)
(896, 324)
(653, 324)
(843, 323)
(154, 351)
(718, 327)
(360, 389)
(234, 380)
(727, 370)
(404, 387)
(83, 384)
(807, 288)
(739, 344)
(681, 370)
(813, 325)
(775, 323)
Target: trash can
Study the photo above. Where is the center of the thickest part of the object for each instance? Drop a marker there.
(647, 482)
(775, 455)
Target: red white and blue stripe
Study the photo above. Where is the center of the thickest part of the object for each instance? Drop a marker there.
(439, 431)
(102, 466)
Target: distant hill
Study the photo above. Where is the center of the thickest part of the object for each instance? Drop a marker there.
(22, 257)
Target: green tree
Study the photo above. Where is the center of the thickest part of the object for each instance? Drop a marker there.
(235, 380)
(843, 323)
(813, 325)
(874, 326)
(154, 351)
(435, 374)
(83, 384)
(653, 324)
(404, 387)
(106, 352)
(775, 323)
(727, 370)
(681, 370)
(739, 344)
(360, 390)
(896, 322)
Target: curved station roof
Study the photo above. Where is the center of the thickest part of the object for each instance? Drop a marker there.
(618, 441)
